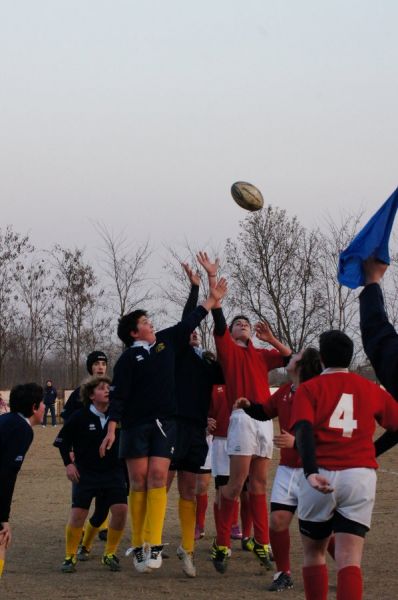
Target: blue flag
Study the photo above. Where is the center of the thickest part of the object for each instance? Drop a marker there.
(372, 240)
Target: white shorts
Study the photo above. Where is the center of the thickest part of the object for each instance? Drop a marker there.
(219, 457)
(285, 489)
(207, 465)
(353, 497)
(248, 437)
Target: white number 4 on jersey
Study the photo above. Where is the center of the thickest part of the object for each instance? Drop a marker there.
(342, 417)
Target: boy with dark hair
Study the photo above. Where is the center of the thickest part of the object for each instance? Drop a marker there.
(143, 398)
(91, 475)
(333, 416)
(16, 435)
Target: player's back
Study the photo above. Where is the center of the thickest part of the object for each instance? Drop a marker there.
(343, 407)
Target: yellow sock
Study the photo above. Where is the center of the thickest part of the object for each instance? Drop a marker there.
(89, 535)
(156, 512)
(72, 539)
(145, 532)
(137, 509)
(113, 540)
(105, 524)
(1, 567)
(187, 514)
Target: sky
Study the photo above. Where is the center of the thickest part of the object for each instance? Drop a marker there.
(141, 115)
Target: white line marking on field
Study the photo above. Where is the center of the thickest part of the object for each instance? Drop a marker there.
(387, 471)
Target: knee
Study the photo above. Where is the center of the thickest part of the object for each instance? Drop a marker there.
(157, 478)
(279, 520)
(138, 482)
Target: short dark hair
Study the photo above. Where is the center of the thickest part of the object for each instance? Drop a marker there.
(25, 397)
(336, 348)
(310, 364)
(88, 387)
(129, 323)
(238, 318)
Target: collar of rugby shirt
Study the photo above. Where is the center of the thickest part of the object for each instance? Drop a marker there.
(25, 419)
(143, 344)
(334, 370)
(102, 416)
(198, 350)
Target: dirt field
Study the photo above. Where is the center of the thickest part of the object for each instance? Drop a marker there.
(40, 510)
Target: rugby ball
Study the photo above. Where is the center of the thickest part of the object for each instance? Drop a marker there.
(247, 196)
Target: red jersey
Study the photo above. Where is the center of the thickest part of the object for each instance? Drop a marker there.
(246, 369)
(219, 410)
(280, 405)
(342, 408)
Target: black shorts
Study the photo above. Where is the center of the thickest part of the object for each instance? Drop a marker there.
(191, 448)
(82, 496)
(337, 524)
(154, 438)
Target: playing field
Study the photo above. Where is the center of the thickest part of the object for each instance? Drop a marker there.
(40, 510)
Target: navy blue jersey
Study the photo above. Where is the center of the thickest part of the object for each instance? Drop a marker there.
(143, 386)
(16, 436)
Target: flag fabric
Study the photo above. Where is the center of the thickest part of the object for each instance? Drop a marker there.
(372, 240)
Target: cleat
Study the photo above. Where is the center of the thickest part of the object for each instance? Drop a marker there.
(188, 566)
(236, 533)
(154, 557)
(219, 556)
(199, 533)
(139, 559)
(246, 544)
(82, 553)
(103, 535)
(69, 564)
(111, 561)
(261, 551)
(282, 581)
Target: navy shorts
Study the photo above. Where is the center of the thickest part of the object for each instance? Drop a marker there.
(82, 496)
(191, 448)
(154, 438)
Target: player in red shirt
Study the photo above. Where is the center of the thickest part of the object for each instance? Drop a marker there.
(284, 498)
(249, 443)
(333, 416)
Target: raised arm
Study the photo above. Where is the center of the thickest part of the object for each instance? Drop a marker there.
(192, 300)
(264, 333)
(379, 338)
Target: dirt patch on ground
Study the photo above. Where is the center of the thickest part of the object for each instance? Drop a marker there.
(40, 510)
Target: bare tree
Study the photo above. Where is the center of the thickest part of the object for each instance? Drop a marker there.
(340, 303)
(274, 269)
(13, 249)
(37, 294)
(124, 264)
(76, 288)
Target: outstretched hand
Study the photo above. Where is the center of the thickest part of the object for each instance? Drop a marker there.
(263, 331)
(218, 292)
(210, 268)
(194, 277)
(374, 270)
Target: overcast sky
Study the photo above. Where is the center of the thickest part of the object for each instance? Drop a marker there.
(141, 114)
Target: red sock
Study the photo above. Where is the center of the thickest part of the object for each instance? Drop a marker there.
(215, 512)
(225, 518)
(316, 582)
(349, 583)
(258, 505)
(331, 546)
(246, 515)
(280, 542)
(201, 507)
(235, 519)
